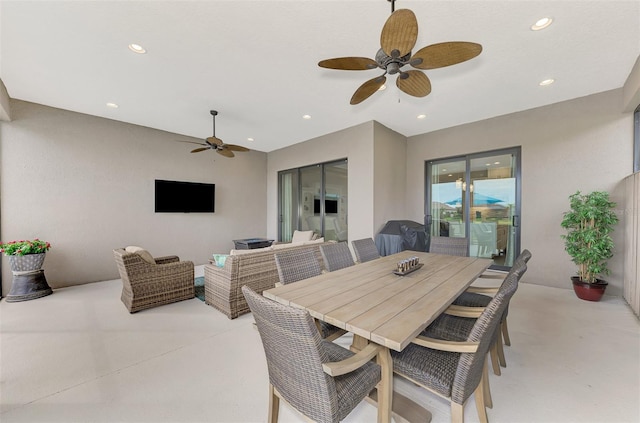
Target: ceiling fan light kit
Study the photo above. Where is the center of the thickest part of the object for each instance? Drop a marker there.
(215, 143)
(398, 38)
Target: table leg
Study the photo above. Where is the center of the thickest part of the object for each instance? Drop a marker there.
(385, 387)
(358, 343)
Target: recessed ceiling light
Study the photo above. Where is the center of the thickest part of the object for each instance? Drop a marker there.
(137, 48)
(112, 105)
(382, 87)
(421, 116)
(444, 170)
(541, 24)
(496, 162)
(449, 175)
(306, 116)
(547, 82)
(249, 139)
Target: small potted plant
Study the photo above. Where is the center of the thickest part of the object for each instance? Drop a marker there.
(26, 258)
(588, 241)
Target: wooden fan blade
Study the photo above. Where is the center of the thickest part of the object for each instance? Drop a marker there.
(367, 89)
(400, 32)
(416, 83)
(349, 63)
(191, 142)
(234, 147)
(225, 152)
(446, 54)
(197, 150)
(214, 141)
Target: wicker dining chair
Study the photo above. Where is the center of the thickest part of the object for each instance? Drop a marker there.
(365, 250)
(457, 321)
(480, 297)
(449, 245)
(307, 371)
(455, 370)
(150, 282)
(336, 256)
(296, 265)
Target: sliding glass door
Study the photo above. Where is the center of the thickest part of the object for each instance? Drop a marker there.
(477, 197)
(314, 198)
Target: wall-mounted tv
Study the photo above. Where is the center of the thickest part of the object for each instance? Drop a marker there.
(184, 197)
(330, 206)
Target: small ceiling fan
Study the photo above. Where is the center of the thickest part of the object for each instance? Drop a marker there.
(397, 39)
(215, 143)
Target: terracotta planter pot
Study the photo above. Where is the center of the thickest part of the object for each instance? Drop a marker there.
(589, 291)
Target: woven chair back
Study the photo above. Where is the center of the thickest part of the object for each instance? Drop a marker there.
(365, 250)
(336, 256)
(296, 265)
(449, 245)
(292, 345)
(470, 365)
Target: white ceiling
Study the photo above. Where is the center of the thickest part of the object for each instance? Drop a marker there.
(256, 61)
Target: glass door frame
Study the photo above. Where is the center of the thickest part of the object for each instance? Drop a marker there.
(516, 153)
(299, 189)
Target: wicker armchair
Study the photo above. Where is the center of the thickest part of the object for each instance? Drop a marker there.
(146, 285)
(296, 265)
(455, 370)
(336, 256)
(449, 245)
(365, 250)
(307, 372)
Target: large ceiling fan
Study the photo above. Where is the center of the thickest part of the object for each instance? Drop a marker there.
(398, 38)
(215, 143)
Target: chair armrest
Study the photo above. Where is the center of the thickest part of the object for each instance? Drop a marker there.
(442, 345)
(464, 311)
(166, 259)
(337, 368)
(483, 289)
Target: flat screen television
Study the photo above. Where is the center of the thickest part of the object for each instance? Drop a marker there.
(330, 206)
(184, 197)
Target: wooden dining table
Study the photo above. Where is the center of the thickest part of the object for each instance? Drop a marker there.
(377, 305)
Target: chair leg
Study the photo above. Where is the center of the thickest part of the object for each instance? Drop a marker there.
(274, 405)
(493, 352)
(457, 413)
(505, 332)
(488, 401)
(482, 410)
(500, 351)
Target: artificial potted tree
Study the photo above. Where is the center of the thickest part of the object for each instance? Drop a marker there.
(588, 241)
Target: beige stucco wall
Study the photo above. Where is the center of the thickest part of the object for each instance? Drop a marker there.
(355, 144)
(86, 184)
(582, 144)
(389, 168)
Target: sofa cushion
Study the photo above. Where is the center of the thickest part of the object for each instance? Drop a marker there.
(144, 254)
(250, 251)
(314, 241)
(301, 236)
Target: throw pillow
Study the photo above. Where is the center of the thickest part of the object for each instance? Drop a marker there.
(144, 254)
(301, 236)
(220, 259)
